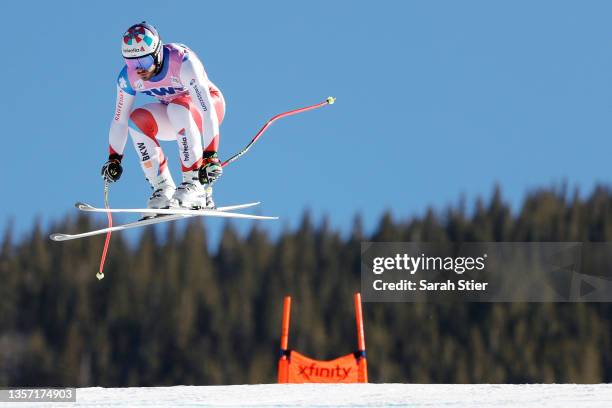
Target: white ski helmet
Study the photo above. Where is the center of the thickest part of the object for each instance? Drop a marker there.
(141, 46)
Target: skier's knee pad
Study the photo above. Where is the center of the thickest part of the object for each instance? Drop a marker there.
(144, 121)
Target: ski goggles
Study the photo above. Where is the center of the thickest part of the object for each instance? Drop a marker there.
(144, 63)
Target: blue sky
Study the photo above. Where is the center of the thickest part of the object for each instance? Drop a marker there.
(428, 93)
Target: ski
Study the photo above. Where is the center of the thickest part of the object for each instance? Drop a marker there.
(58, 236)
(168, 215)
(166, 211)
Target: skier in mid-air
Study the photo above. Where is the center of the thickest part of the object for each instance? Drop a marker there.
(189, 110)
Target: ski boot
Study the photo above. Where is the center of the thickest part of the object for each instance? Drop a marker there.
(163, 191)
(191, 194)
(210, 204)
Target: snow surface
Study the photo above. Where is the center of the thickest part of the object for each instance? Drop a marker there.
(346, 395)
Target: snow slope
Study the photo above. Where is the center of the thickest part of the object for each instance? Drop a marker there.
(344, 395)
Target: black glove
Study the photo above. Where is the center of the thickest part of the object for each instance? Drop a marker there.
(111, 171)
(211, 168)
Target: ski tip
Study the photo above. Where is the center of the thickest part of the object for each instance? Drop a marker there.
(237, 206)
(58, 237)
(267, 217)
(82, 206)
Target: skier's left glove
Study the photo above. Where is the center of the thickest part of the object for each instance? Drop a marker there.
(112, 170)
(211, 168)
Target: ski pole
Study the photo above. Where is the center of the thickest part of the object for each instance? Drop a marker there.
(329, 101)
(100, 274)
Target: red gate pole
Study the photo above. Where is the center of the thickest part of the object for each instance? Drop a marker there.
(283, 362)
(363, 365)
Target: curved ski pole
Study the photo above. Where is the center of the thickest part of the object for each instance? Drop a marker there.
(329, 101)
(100, 274)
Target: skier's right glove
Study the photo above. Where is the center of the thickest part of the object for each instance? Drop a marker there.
(111, 171)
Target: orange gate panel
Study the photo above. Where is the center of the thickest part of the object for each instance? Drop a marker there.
(294, 367)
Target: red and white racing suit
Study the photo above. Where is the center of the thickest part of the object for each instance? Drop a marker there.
(189, 110)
